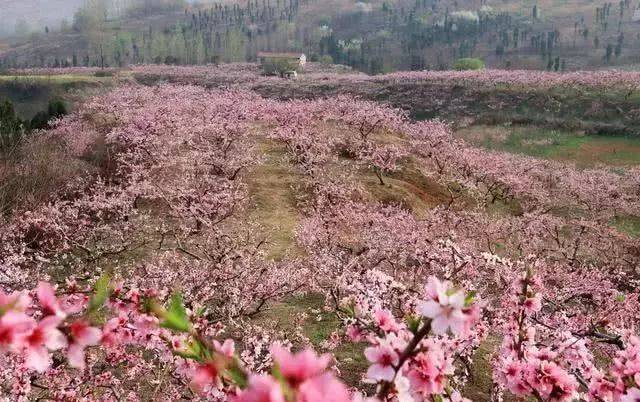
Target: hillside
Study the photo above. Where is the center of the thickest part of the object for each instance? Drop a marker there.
(184, 206)
(35, 14)
(374, 37)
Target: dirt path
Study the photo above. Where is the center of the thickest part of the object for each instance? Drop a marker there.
(272, 201)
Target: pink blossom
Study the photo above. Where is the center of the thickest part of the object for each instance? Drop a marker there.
(445, 308)
(435, 288)
(43, 338)
(533, 304)
(354, 333)
(404, 390)
(261, 388)
(384, 359)
(82, 335)
(552, 381)
(17, 301)
(428, 375)
(299, 367)
(513, 375)
(184, 149)
(632, 395)
(47, 297)
(385, 320)
(115, 333)
(226, 349)
(14, 326)
(145, 324)
(205, 375)
(601, 389)
(323, 388)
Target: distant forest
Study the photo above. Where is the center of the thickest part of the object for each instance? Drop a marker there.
(374, 37)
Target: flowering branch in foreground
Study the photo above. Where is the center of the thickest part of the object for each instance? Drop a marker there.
(410, 360)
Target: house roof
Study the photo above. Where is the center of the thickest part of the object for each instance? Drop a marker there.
(280, 55)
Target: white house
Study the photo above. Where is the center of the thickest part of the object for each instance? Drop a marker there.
(636, 16)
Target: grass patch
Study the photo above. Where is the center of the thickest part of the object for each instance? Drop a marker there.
(501, 208)
(318, 327)
(584, 150)
(629, 225)
(273, 202)
(480, 382)
(56, 79)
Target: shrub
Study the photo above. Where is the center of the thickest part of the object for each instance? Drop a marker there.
(57, 108)
(101, 74)
(326, 59)
(40, 166)
(469, 64)
(39, 121)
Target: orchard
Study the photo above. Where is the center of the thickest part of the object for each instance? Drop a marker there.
(148, 276)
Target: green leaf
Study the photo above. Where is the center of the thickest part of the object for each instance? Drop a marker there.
(349, 310)
(150, 305)
(186, 355)
(200, 350)
(413, 323)
(194, 351)
(470, 298)
(101, 293)
(621, 297)
(277, 374)
(175, 317)
(238, 376)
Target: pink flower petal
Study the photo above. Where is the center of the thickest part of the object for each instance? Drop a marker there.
(380, 373)
(75, 356)
(38, 359)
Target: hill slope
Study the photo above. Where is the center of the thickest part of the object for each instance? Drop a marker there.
(374, 37)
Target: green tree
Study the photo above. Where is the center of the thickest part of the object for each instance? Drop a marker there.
(326, 59)
(609, 53)
(11, 127)
(121, 48)
(56, 109)
(91, 20)
(468, 64)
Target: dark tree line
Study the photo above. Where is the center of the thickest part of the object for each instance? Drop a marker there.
(13, 128)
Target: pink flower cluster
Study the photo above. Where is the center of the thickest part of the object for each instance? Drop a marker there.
(554, 366)
(21, 333)
(414, 360)
(301, 377)
(35, 330)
